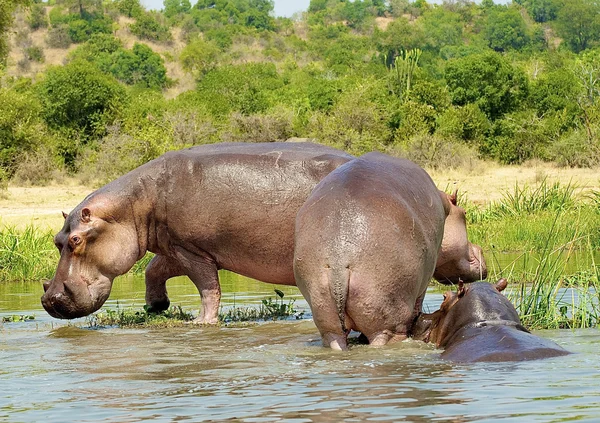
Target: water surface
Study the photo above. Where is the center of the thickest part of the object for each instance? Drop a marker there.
(267, 372)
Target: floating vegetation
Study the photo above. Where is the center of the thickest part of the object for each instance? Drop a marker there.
(18, 318)
(269, 309)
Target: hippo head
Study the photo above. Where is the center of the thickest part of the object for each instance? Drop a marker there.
(458, 259)
(95, 246)
(471, 304)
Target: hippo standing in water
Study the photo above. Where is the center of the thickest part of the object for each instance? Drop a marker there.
(478, 323)
(368, 242)
(223, 206)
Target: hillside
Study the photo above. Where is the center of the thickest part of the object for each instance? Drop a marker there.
(94, 90)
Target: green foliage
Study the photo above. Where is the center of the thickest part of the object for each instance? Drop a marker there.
(247, 89)
(130, 8)
(148, 27)
(199, 57)
(578, 23)
(140, 66)
(488, 80)
(176, 7)
(541, 10)
(27, 255)
(37, 17)
(80, 98)
(21, 128)
(249, 13)
(504, 29)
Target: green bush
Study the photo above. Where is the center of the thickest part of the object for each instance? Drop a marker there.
(80, 97)
(37, 16)
(21, 128)
(35, 54)
(147, 27)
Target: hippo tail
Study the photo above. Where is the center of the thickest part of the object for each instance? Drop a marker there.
(339, 278)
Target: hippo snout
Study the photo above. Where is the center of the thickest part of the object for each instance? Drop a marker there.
(63, 302)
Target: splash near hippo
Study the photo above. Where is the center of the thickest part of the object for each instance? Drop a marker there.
(223, 206)
(369, 239)
(478, 323)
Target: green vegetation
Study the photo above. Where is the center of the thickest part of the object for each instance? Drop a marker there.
(441, 84)
(269, 309)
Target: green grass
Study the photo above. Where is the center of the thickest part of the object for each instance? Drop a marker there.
(549, 230)
(26, 255)
(269, 309)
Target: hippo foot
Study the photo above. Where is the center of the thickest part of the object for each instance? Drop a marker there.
(158, 306)
(201, 320)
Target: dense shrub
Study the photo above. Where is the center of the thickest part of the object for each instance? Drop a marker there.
(147, 27)
(80, 97)
(58, 37)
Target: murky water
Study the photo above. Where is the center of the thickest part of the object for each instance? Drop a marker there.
(52, 372)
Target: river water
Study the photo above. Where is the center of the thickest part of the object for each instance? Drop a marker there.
(51, 371)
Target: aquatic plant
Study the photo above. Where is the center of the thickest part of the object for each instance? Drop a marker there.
(542, 298)
(18, 318)
(129, 317)
(269, 309)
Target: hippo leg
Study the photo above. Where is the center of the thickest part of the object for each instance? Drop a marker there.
(158, 271)
(206, 278)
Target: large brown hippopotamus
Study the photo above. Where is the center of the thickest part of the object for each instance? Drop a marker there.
(478, 323)
(368, 242)
(223, 206)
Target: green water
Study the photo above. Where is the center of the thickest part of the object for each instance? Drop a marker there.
(53, 371)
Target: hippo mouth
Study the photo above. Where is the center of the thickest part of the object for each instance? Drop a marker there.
(74, 300)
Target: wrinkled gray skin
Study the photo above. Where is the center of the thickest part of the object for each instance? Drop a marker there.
(367, 243)
(223, 206)
(478, 323)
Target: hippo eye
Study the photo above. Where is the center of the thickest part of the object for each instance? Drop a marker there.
(76, 240)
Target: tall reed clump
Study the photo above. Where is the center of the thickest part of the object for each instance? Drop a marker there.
(26, 255)
(547, 297)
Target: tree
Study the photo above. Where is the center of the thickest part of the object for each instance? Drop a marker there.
(504, 29)
(578, 23)
(442, 28)
(79, 96)
(176, 7)
(488, 80)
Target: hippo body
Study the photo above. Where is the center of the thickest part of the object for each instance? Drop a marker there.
(479, 324)
(223, 206)
(367, 242)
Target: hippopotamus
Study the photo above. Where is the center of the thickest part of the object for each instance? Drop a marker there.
(223, 206)
(478, 323)
(369, 239)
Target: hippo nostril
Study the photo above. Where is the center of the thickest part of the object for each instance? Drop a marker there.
(46, 285)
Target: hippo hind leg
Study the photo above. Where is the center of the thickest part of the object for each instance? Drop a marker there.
(158, 271)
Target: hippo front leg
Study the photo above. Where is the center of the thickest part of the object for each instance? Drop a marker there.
(158, 271)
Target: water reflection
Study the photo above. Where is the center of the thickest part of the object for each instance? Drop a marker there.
(270, 372)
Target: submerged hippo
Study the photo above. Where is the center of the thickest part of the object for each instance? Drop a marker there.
(224, 206)
(478, 323)
(368, 242)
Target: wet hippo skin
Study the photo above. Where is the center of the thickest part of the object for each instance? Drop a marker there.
(478, 323)
(223, 206)
(368, 241)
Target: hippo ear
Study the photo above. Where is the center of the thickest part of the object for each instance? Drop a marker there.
(453, 197)
(501, 284)
(86, 215)
(461, 289)
(65, 215)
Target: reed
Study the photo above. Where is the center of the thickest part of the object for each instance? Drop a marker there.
(548, 297)
(26, 255)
